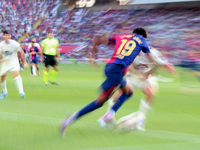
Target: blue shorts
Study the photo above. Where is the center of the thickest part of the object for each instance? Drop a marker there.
(114, 80)
(35, 61)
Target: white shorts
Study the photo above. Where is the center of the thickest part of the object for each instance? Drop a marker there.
(142, 84)
(9, 67)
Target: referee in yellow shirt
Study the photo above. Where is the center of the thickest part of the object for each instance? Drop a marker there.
(50, 50)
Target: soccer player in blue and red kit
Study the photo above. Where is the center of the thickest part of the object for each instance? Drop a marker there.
(33, 51)
(127, 47)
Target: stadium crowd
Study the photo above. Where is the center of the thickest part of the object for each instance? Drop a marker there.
(19, 16)
(172, 29)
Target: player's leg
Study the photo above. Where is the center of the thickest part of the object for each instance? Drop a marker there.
(132, 84)
(54, 72)
(46, 75)
(46, 71)
(113, 99)
(18, 82)
(32, 67)
(3, 86)
(88, 108)
(37, 67)
(4, 71)
(34, 70)
(150, 89)
(114, 78)
(127, 92)
(110, 85)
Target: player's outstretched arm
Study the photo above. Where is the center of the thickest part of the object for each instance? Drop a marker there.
(170, 68)
(97, 40)
(158, 58)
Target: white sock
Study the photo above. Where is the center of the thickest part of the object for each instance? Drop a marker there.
(110, 102)
(34, 71)
(144, 107)
(4, 88)
(19, 85)
(143, 110)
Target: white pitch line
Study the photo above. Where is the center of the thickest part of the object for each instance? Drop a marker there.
(95, 127)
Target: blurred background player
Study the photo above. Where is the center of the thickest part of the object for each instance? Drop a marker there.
(26, 53)
(33, 51)
(141, 75)
(33, 40)
(50, 50)
(127, 47)
(9, 49)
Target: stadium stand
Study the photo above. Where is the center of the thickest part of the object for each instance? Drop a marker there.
(170, 29)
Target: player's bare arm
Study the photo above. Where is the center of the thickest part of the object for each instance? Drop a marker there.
(97, 40)
(58, 55)
(150, 56)
(169, 67)
(41, 54)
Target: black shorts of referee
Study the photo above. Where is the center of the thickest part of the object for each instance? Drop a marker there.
(50, 60)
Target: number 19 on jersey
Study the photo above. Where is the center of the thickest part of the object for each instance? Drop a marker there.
(128, 46)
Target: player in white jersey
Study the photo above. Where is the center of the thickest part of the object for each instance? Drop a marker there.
(9, 49)
(140, 75)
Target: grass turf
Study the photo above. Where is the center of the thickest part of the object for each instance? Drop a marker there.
(30, 123)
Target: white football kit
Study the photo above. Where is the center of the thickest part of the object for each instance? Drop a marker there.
(141, 78)
(143, 68)
(9, 52)
(29, 46)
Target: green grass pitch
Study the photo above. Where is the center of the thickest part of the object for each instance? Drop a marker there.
(31, 123)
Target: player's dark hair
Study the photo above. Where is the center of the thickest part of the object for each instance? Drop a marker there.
(140, 31)
(5, 32)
